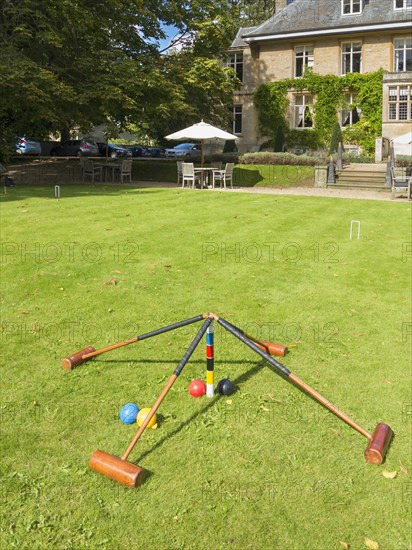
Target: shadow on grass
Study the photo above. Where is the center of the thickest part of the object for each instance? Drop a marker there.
(239, 380)
(246, 177)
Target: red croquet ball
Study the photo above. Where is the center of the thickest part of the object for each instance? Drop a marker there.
(197, 388)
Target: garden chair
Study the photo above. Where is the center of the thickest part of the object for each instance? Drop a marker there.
(188, 174)
(125, 170)
(87, 168)
(224, 176)
(401, 183)
(179, 164)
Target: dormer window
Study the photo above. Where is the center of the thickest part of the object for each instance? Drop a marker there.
(402, 4)
(351, 7)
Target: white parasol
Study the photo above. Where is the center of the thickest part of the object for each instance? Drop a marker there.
(201, 131)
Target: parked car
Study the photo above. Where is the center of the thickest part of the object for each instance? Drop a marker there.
(113, 151)
(76, 148)
(26, 147)
(184, 150)
(139, 151)
(157, 152)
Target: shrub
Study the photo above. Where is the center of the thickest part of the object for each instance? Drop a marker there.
(281, 158)
(353, 159)
(403, 161)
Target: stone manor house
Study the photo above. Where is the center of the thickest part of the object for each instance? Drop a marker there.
(333, 37)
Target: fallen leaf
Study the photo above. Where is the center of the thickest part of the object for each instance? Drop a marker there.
(24, 312)
(229, 401)
(403, 469)
(336, 432)
(387, 382)
(389, 475)
(372, 544)
(344, 544)
(167, 265)
(111, 281)
(110, 310)
(263, 408)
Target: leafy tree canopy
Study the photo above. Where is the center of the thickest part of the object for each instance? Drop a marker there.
(71, 63)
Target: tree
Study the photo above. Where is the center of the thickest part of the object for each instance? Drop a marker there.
(248, 13)
(68, 64)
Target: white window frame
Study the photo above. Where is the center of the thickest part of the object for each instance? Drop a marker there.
(237, 118)
(235, 61)
(352, 4)
(306, 54)
(399, 102)
(404, 48)
(300, 110)
(402, 5)
(345, 55)
(347, 111)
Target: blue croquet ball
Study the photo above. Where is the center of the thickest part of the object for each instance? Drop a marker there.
(128, 413)
(225, 387)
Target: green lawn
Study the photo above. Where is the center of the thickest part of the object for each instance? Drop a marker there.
(267, 468)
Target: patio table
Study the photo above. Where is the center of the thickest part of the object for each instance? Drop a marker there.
(107, 166)
(205, 175)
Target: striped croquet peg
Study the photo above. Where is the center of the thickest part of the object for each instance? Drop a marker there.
(210, 361)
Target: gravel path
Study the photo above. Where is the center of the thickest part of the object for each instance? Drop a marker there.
(299, 191)
(319, 192)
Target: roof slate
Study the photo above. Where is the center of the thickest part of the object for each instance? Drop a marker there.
(304, 15)
(238, 42)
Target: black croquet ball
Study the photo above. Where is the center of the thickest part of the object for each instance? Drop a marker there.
(226, 387)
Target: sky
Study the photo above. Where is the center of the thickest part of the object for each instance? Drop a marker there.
(170, 33)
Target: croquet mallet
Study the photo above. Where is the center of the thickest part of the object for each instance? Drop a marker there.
(378, 441)
(118, 468)
(83, 355)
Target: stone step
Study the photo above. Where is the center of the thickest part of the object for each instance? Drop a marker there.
(366, 187)
(361, 177)
(365, 167)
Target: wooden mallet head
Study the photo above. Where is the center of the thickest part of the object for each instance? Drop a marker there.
(76, 359)
(117, 469)
(378, 444)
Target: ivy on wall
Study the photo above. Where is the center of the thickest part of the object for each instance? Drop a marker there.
(329, 92)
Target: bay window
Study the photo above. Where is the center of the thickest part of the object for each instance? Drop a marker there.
(400, 102)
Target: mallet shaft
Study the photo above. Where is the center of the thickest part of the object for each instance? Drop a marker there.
(144, 336)
(329, 406)
(283, 370)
